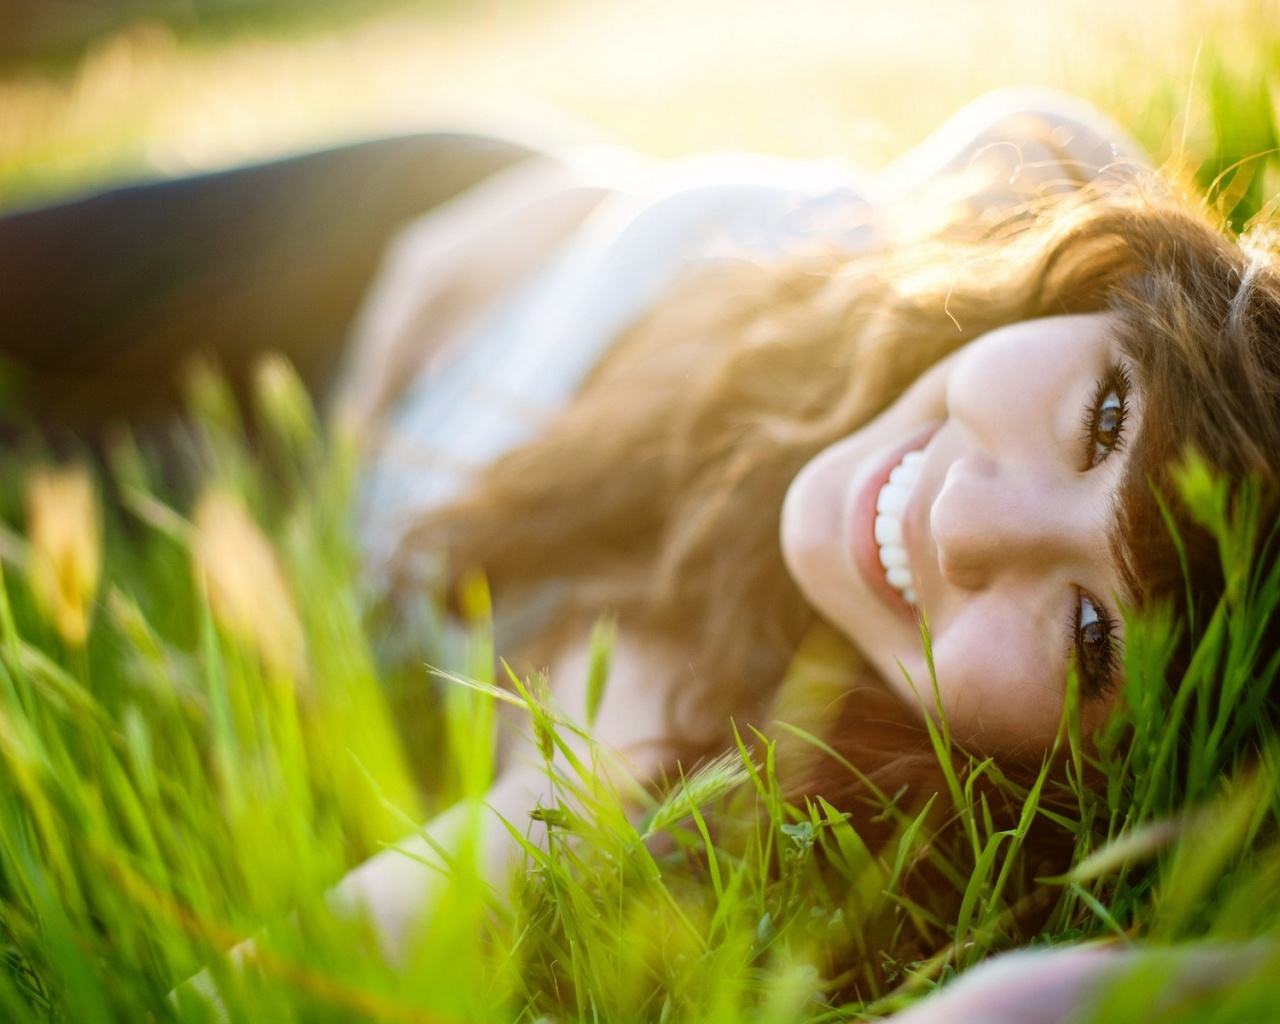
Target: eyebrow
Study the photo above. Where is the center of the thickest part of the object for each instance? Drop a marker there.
(1134, 509)
(1136, 528)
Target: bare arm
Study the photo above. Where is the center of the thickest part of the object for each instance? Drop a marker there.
(396, 890)
(1067, 984)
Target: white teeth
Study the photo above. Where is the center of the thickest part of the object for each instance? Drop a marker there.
(890, 504)
(899, 579)
(892, 499)
(893, 557)
(889, 531)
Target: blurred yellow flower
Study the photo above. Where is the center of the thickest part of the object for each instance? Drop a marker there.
(283, 400)
(64, 529)
(247, 591)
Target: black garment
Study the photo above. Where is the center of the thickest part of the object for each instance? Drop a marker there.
(104, 298)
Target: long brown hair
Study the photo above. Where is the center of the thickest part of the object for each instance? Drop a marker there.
(656, 495)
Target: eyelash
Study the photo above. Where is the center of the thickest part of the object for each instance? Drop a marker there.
(1097, 659)
(1114, 382)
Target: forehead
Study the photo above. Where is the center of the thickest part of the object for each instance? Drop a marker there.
(1057, 358)
(1067, 331)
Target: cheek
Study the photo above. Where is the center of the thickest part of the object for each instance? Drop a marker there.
(1000, 690)
(812, 526)
(810, 509)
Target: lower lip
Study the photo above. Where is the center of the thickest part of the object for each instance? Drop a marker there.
(862, 526)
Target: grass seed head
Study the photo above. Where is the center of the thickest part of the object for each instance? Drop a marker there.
(284, 402)
(64, 528)
(247, 591)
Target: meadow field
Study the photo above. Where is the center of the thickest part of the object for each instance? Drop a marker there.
(198, 734)
(1193, 80)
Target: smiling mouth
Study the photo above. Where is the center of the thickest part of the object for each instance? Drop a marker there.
(890, 504)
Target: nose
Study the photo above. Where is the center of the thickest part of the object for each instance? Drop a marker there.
(990, 518)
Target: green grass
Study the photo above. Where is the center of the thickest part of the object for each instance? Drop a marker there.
(224, 748)
(44, 36)
(193, 776)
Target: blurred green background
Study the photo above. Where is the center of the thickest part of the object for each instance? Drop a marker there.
(43, 30)
(93, 91)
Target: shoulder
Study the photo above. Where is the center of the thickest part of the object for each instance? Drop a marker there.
(1004, 152)
(752, 204)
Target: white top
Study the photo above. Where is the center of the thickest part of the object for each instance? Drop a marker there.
(528, 354)
(556, 291)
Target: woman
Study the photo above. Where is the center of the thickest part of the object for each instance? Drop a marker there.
(802, 397)
(949, 425)
(952, 426)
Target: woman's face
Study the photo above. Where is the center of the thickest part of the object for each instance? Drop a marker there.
(982, 499)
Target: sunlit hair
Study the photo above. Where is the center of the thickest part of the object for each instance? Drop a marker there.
(656, 495)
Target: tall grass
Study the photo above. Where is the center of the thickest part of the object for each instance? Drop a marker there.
(220, 748)
(199, 734)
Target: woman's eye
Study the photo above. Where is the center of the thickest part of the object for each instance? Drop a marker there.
(1106, 435)
(1094, 647)
(1105, 416)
